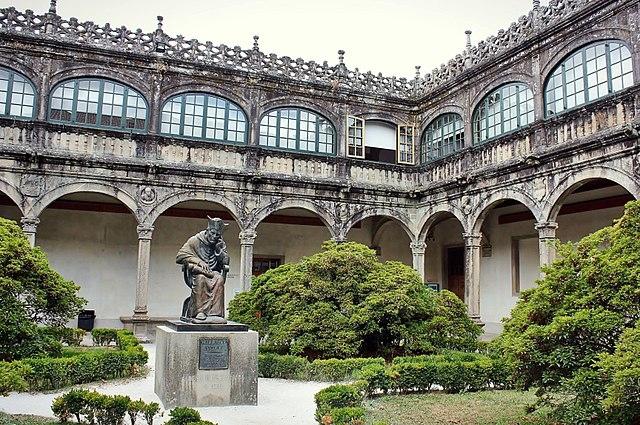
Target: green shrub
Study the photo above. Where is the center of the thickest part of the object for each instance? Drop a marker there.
(136, 407)
(343, 302)
(104, 336)
(31, 294)
(335, 370)
(336, 396)
(282, 366)
(345, 416)
(560, 331)
(12, 377)
(378, 378)
(150, 411)
(183, 416)
(91, 407)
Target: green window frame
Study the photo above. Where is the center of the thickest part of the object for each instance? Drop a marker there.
(17, 95)
(442, 137)
(504, 110)
(98, 103)
(297, 129)
(204, 116)
(589, 73)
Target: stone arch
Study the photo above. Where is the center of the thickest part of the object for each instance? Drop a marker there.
(433, 215)
(206, 88)
(391, 118)
(571, 181)
(487, 203)
(402, 219)
(176, 198)
(20, 67)
(113, 74)
(84, 186)
(621, 34)
(298, 102)
(13, 193)
(509, 77)
(281, 204)
(431, 115)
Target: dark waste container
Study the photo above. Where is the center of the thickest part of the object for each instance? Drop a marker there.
(86, 319)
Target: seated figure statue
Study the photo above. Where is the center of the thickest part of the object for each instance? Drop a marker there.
(205, 264)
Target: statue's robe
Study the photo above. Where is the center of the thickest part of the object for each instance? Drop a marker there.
(207, 292)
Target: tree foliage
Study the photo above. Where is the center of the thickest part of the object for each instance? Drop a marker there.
(343, 302)
(31, 293)
(570, 336)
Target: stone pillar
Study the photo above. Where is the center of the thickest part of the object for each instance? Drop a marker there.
(140, 319)
(417, 250)
(29, 227)
(546, 237)
(247, 237)
(472, 243)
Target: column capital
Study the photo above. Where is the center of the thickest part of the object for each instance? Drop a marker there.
(247, 237)
(339, 238)
(418, 247)
(546, 229)
(29, 224)
(473, 240)
(144, 232)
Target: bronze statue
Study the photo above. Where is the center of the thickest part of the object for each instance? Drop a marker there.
(205, 264)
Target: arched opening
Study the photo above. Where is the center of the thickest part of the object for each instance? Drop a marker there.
(444, 253)
(176, 224)
(9, 209)
(509, 258)
(91, 239)
(385, 235)
(285, 236)
(587, 206)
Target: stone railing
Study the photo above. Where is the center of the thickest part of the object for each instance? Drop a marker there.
(160, 44)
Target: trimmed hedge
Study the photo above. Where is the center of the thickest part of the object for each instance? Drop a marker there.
(452, 371)
(51, 373)
(299, 368)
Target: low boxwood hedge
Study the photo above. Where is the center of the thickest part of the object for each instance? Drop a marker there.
(48, 373)
(299, 368)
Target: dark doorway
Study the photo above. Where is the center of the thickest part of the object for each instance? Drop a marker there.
(455, 271)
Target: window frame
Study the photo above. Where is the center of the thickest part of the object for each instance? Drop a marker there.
(74, 105)
(483, 104)
(423, 141)
(10, 82)
(350, 145)
(585, 76)
(298, 131)
(399, 144)
(204, 116)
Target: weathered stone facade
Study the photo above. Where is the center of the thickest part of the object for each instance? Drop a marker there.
(538, 165)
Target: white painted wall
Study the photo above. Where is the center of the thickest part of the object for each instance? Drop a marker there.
(380, 134)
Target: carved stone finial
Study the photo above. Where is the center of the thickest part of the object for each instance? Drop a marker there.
(536, 5)
(52, 6)
(341, 56)
(160, 19)
(255, 43)
(417, 72)
(468, 34)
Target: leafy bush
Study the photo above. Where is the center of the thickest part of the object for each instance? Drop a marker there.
(284, 367)
(12, 377)
(334, 397)
(93, 365)
(345, 416)
(104, 336)
(292, 367)
(31, 294)
(183, 416)
(105, 410)
(339, 369)
(343, 302)
(564, 336)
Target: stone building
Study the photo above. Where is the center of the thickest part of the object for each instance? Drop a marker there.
(115, 144)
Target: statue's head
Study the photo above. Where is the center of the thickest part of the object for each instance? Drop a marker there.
(215, 228)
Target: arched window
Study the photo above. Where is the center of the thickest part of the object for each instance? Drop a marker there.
(97, 102)
(588, 74)
(443, 136)
(17, 95)
(506, 109)
(297, 129)
(204, 116)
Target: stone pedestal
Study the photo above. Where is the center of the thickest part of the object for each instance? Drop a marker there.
(206, 365)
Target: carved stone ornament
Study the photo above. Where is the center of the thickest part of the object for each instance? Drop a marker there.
(539, 189)
(147, 195)
(466, 205)
(31, 185)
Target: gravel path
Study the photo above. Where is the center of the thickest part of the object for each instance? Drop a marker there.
(279, 401)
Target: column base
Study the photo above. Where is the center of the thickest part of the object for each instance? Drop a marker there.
(477, 320)
(140, 327)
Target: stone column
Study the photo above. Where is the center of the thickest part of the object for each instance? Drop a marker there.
(417, 250)
(140, 319)
(472, 243)
(29, 227)
(247, 237)
(546, 237)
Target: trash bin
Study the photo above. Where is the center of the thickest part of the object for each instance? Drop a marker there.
(86, 319)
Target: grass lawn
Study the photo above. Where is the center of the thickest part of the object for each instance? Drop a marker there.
(481, 408)
(6, 419)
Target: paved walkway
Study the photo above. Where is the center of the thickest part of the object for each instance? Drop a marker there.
(279, 401)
